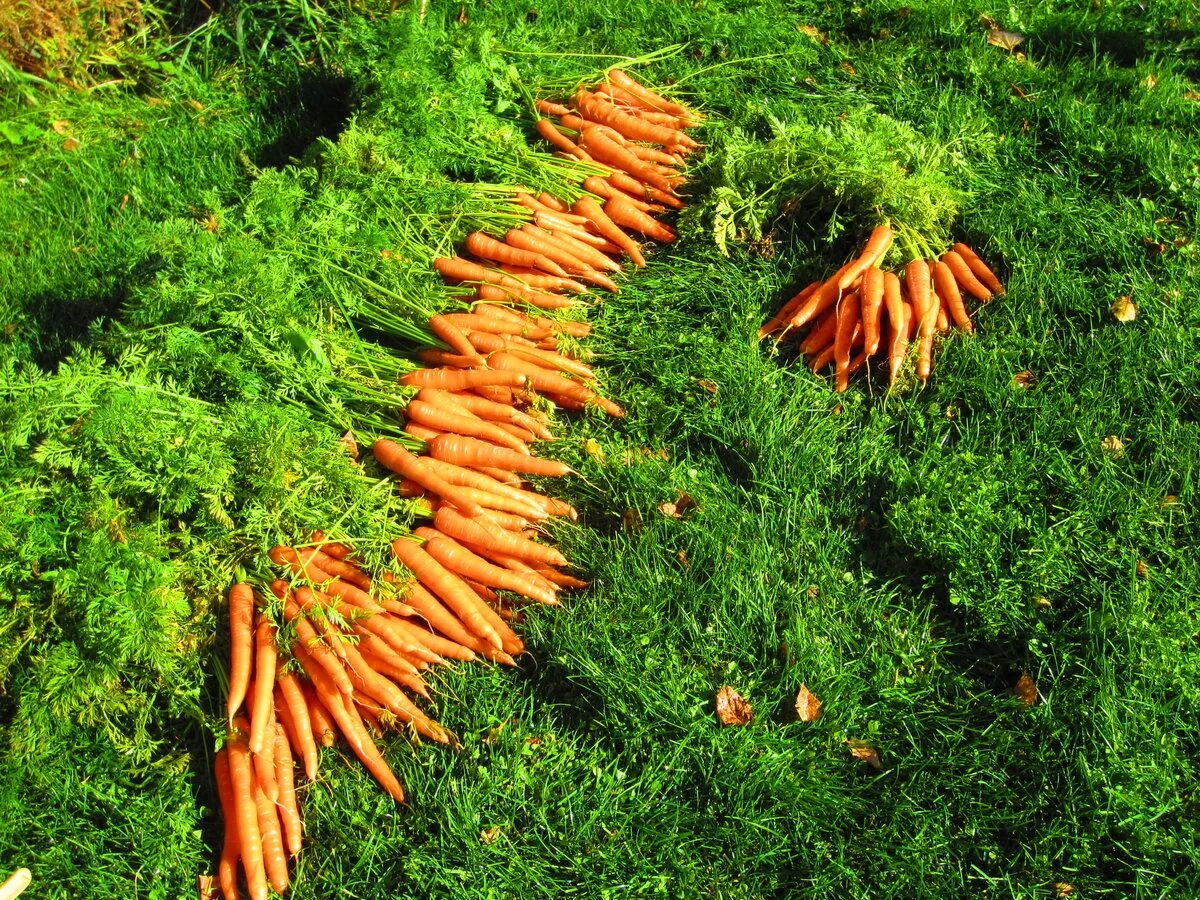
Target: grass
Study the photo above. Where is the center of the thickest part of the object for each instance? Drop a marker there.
(905, 555)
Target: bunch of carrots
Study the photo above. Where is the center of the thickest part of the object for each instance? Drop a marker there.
(863, 310)
(357, 648)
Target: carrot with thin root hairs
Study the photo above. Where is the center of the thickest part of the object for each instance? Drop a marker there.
(823, 298)
(274, 858)
(293, 698)
(241, 778)
(320, 653)
(486, 247)
(453, 336)
(789, 309)
(241, 645)
(947, 289)
(620, 210)
(549, 199)
(457, 558)
(324, 729)
(979, 268)
(462, 528)
(966, 277)
(535, 204)
(289, 811)
(896, 310)
(264, 681)
(609, 229)
(551, 134)
(468, 451)
(877, 245)
(652, 100)
(449, 588)
(822, 334)
(848, 319)
(453, 423)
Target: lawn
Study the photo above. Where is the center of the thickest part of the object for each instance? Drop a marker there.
(187, 216)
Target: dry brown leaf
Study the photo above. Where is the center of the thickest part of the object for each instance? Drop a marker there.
(863, 750)
(710, 386)
(1143, 570)
(1168, 500)
(206, 887)
(677, 508)
(489, 835)
(70, 144)
(1192, 95)
(196, 105)
(732, 708)
(813, 592)
(808, 707)
(594, 450)
(1042, 602)
(124, 202)
(848, 68)
(462, 14)
(631, 520)
(1063, 889)
(1005, 40)
(1113, 447)
(683, 559)
(156, 101)
(347, 440)
(1026, 690)
(1024, 379)
(815, 33)
(60, 126)
(1151, 81)
(1124, 309)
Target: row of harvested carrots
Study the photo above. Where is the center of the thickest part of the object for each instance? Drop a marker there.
(862, 310)
(357, 648)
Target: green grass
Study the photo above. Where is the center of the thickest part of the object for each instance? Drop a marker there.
(906, 555)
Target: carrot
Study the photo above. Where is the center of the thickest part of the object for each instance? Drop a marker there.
(848, 318)
(320, 653)
(431, 356)
(590, 249)
(634, 188)
(560, 578)
(621, 210)
(463, 476)
(877, 245)
(576, 232)
(502, 412)
(293, 698)
(818, 301)
(541, 282)
(535, 205)
(594, 184)
(537, 240)
(440, 618)
(467, 451)
(460, 380)
(872, 307)
(980, 269)
(457, 558)
(453, 336)
(388, 668)
(517, 293)
(569, 248)
(448, 587)
(241, 778)
(264, 763)
(486, 247)
(324, 729)
(350, 723)
(549, 108)
(943, 317)
(498, 503)
(649, 98)
(822, 334)
(455, 423)
(925, 308)
(399, 460)
(822, 359)
(598, 141)
(231, 849)
(241, 645)
(947, 289)
(547, 381)
(457, 526)
(787, 310)
(435, 642)
(511, 522)
(631, 104)
(332, 566)
(478, 321)
(332, 548)
(547, 130)
(289, 812)
(549, 199)
(491, 343)
(898, 316)
(274, 858)
(264, 675)
(369, 640)
(966, 277)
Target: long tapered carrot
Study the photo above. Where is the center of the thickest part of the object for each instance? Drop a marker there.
(981, 269)
(293, 698)
(917, 280)
(966, 277)
(604, 189)
(289, 811)
(547, 381)
(877, 245)
(241, 645)
(788, 310)
(549, 199)
(536, 205)
(539, 241)
(893, 299)
(540, 281)
(274, 857)
(487, 247)
(369, 640)
(449, 588)
(502, 412)
(584, 250)
(872, 307)
(351, 726)
(653, 100)
(621, 210)
(822, 333)
(599, 109)
(460, 379)
(462, 528)
(467, 451)
(399, 460)
(264, 680)
(264, 763)
(388, 668)
(448, 420)
(241, 778)
(947, 288)
(637, 107)
(547, 130)
(324, 729)
(479, 321)
(450, 333)
(818, 301)
(609, 229)
(598, 141)
(231, 850)
(457, 558)
(442, 619)
(370, 682)
(491, 343)
(322, 654)
(849, 318)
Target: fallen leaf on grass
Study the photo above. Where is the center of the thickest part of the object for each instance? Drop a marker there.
(631, 520)
(60, 126)
(808, 707)
(1124, 310)
(863, 750)
(347, 440)
(732, 708)
(593, 449)
(677, 508)
(1194, 96)
(1151, 81)
(1063, 889)
(1166, 501)
(209, 223)
(1143, 570)
(683, 559)
(489, 835)
(1113, 447)
(70, 144)
(1024, 379)
(1026, 690)
(1005, 40)
(815, 33)
(710, 386)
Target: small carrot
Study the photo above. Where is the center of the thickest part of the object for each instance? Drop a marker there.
(598, 141)
(598, 109)
(604, 189)
(550, 108)
(535, 205)
(324, 729)
(549, 199)
(264, 680)
(609, 229)
(897, 314)
(551, 134)
(457, 558)
(293, 698)
(573, 247)
(462, 528)
(822, 334)
(947, 288)
(786, 311)
(478, 321)
(241, 645)
(274, 858)
(318, 651)
(823, 298)
(468, 451)
(231, 849)
(491, 343)
(877, 246)
(965, 276)
(264, 763)
(651, 99)
(289, 811)
(444, 419)
(453, 336)
(459, 380)
(981, 269)
(622, 211)
(241, 778)
(448, 587)
(849, 318)
(486, 247)
(872, 307)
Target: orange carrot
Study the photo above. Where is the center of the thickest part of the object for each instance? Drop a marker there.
(877, 246)
(535, 205)
(453, 336)
(537, 240)
(818, 301)
(478, 321)
(549, 199)
(822, 334)
(241, 645)
(602, 188)
(547, 130)
(872, 307)
(981, 269)
(547, 381)
(319, 652)
(609, 229)
(264, 679)
(324, 729)
(631, 104)
(947, 288)
(459, 380)
(399, 460)
(522, 502)
(431, 356)
(289, 811)
(293, 698)
(569, 247)
(486, 247)
(621, 210)
(457, 558)
(448, 587)
(274, 858)
(231, 849)
(550, 108)
(848, 318)
(897, 314)
(916, 275)
(451, 422)
(787, 310)
(467, 451)
(241, 778)
(502, 412)
(462, 528)
(649, 98)
(490, 343)
(599, 109)
(598, 141)
(965, 276)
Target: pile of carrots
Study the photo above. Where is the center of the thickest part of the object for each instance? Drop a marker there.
(356, 648)
(862, 310)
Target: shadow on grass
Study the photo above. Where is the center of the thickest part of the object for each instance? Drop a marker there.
(576, 705)
(316, 104)
(61, 321)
